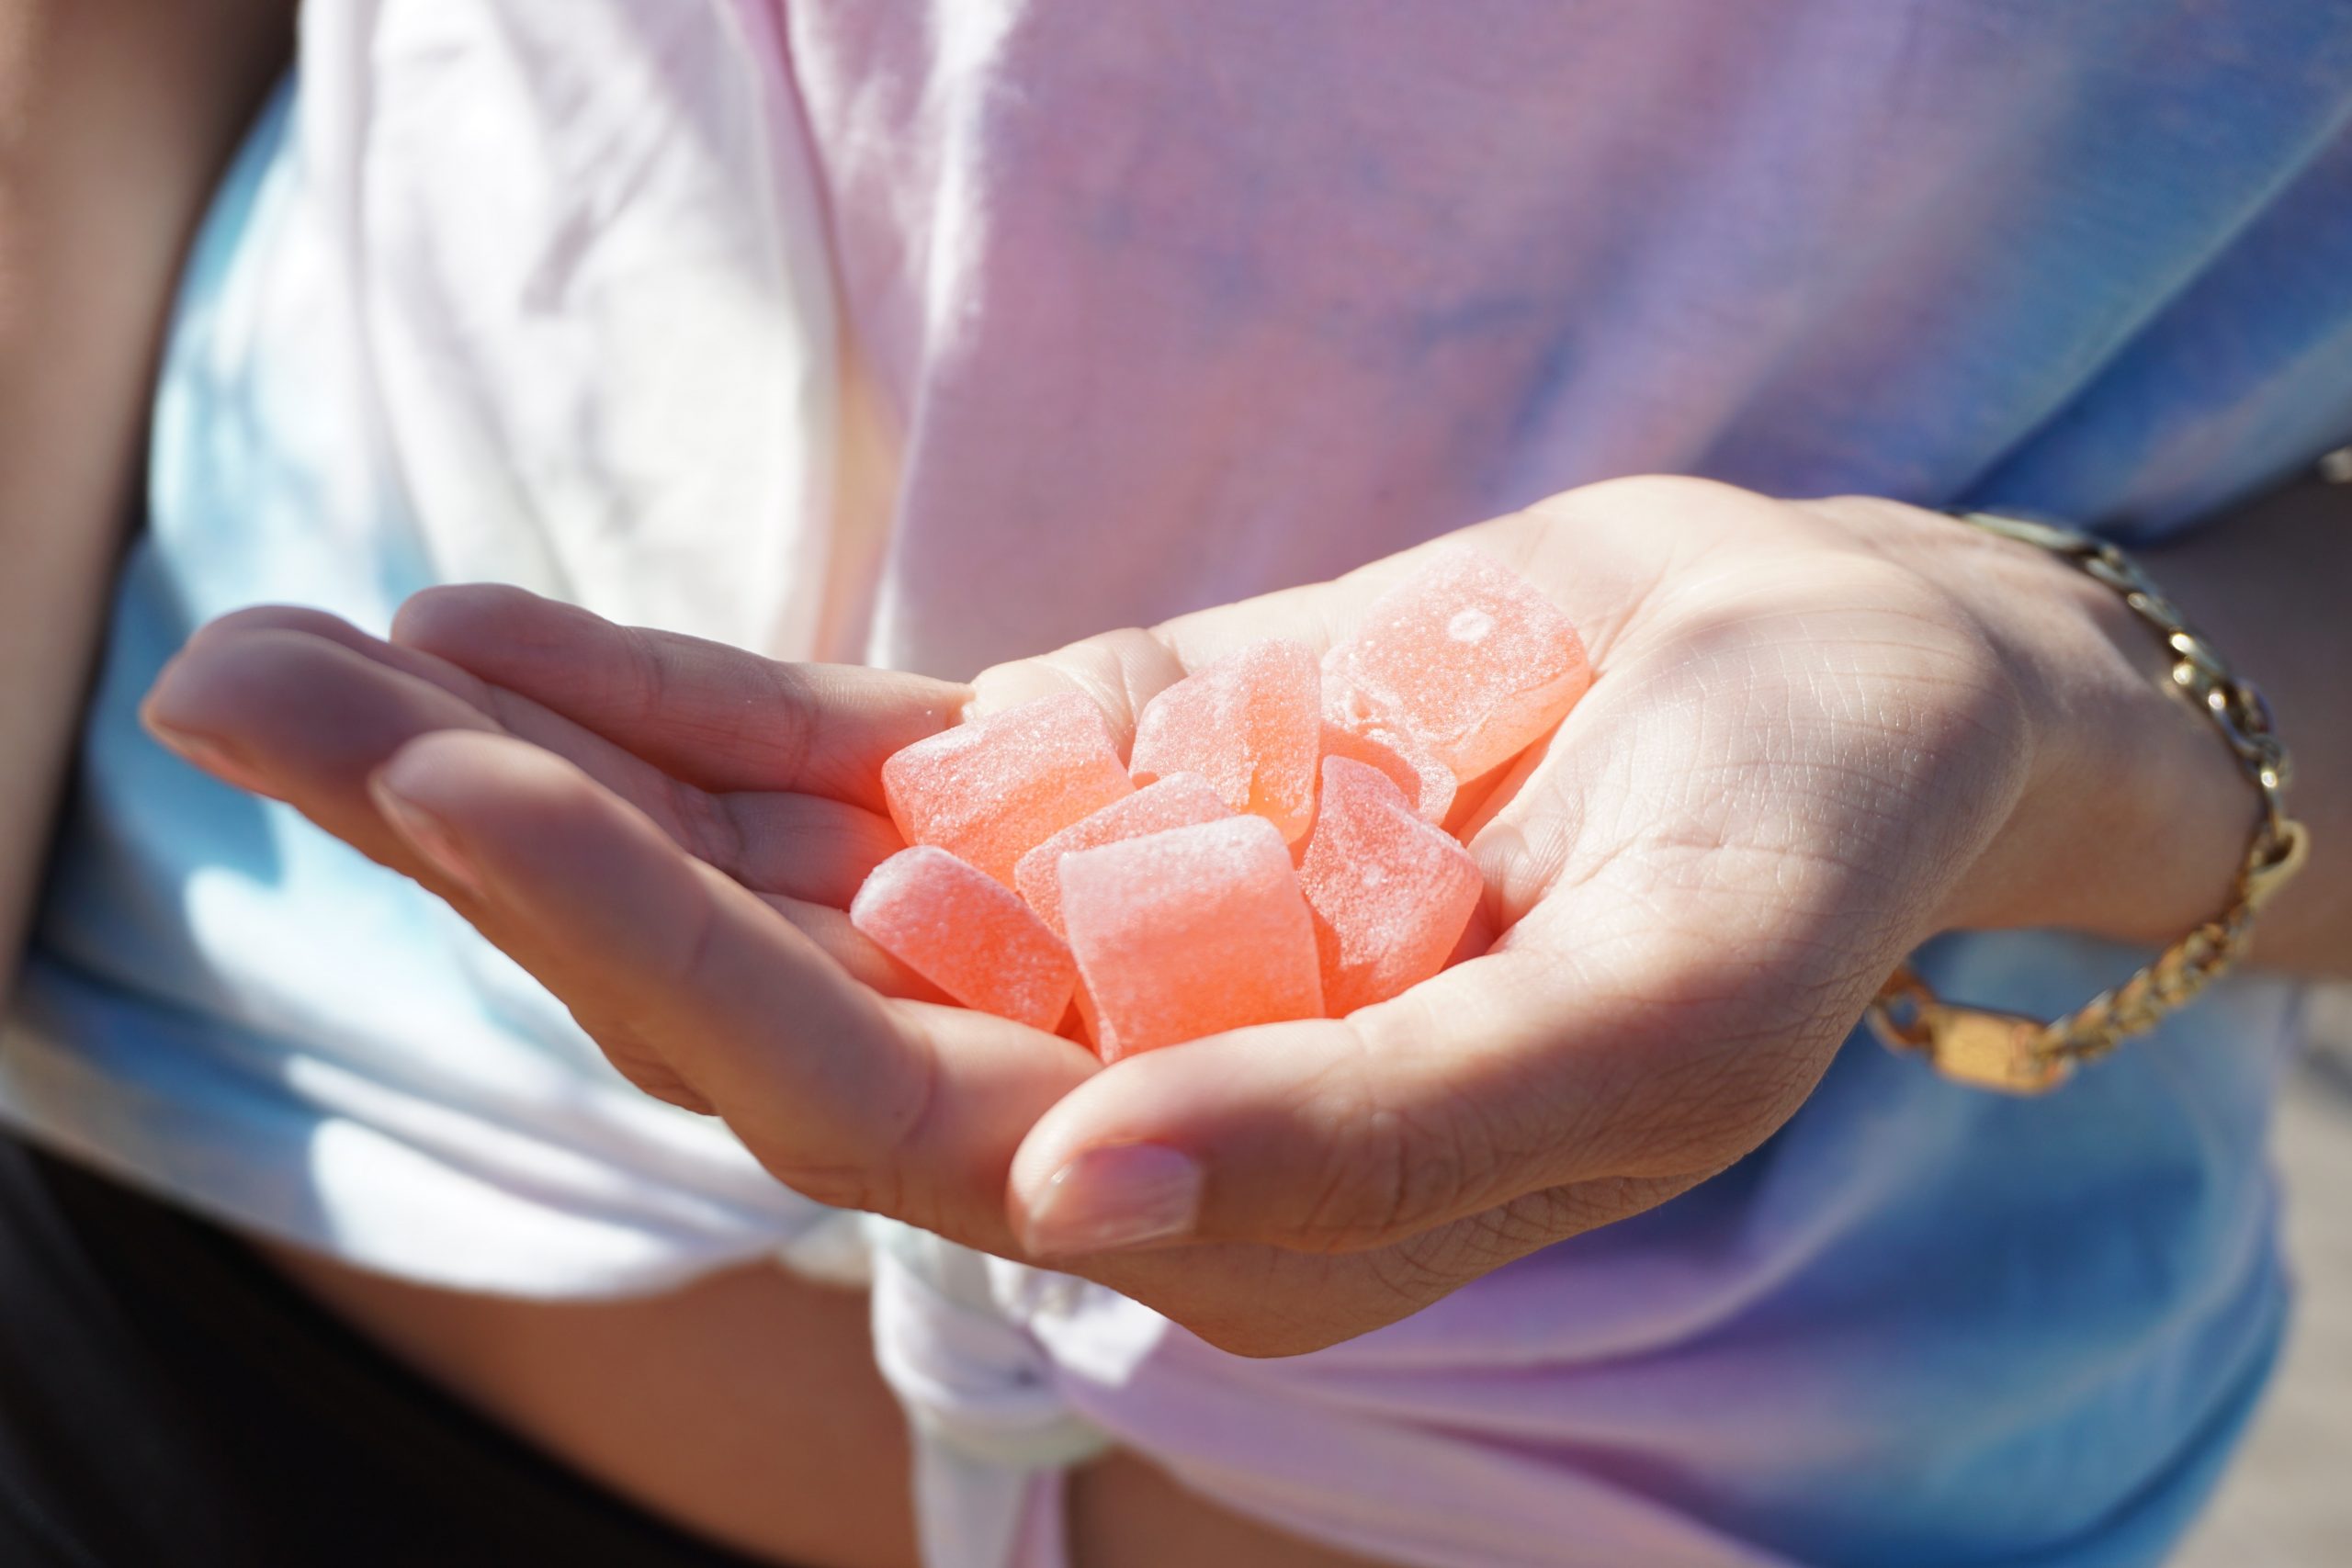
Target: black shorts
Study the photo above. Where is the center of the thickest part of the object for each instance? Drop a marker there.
(165, 1400)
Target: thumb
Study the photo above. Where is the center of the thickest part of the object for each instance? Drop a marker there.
(1325, 1135)
(1120, 672)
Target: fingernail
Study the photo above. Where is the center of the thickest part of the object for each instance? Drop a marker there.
(427, 835)
(210, 757)
(1108, 1199)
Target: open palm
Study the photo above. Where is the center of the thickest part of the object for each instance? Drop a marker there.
(1800, 758)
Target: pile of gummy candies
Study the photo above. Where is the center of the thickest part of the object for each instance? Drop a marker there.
(1274, 850)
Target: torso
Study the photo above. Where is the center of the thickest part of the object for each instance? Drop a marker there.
(1278, 302)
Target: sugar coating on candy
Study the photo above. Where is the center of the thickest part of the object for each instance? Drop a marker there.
(1360, 732)
(1251, 723)
(1180, 800)
(1189, 932)
(961, 930)
(989, 791)
(1390, 894)
(1468, 655)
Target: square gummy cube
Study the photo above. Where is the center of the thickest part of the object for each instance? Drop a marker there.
(1189, 932)
(1250, 723)
(1390, 892)
(989, 791)
(964, 931)
(1180, 800)
(1468, 655)
(1361, 733)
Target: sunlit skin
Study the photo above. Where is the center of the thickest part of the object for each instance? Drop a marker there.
(1735, 634)
(1821, 733)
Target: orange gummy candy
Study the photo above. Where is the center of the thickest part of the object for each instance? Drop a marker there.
(1180, 800)
(989, 791)
(1390, 894)
(1368, 736)
(1251, 723)
(1469, 655)
(1189, 932)
(962, 931)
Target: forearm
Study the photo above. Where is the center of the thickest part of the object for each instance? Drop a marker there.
(116, 117)
(2270, 586)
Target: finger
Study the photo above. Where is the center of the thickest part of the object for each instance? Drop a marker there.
(1700, 884)
(1560, 550)
(1512, 1074)
(911, 1110)
(717, 716)
(859, 956)
(1118, 670)
(287, 703)
(1122, 670)
(223, 658)
(305, 717)
(300, 703)
(515, 714)
(304, 706)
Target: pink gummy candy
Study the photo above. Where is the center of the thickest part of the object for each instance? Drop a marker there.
(1251, 723)
(959, 929)
(1468, 655)
(1180, 800)
(989, 791)
(1390, 894)
(1189, 932)
(1369, 737)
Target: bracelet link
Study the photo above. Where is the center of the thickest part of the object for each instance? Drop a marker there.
(2014, 1054)
(2277, 859)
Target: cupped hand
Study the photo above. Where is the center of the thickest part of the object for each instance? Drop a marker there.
(1820, 733)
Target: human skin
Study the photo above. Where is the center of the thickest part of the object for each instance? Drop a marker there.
(701, 1404)
(1822, 732)
(115, 119)
(744, 1408)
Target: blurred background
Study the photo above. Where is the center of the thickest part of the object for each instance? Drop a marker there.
(2288, 1503)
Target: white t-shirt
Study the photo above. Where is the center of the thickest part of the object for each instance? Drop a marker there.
(935, 333)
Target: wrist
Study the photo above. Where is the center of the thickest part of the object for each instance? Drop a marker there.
(2134, 814)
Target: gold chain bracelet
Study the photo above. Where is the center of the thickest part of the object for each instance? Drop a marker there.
(2024, 1055)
